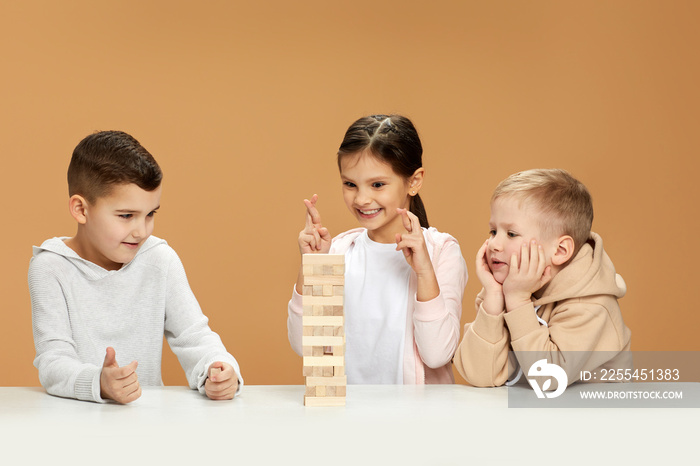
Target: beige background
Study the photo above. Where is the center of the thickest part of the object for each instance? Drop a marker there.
(245, 105)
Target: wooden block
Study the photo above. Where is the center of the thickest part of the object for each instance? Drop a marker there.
(328, 381)
(307, 269)
(308, 371)
(338, 371)
(330, 390)
(317, 290)
(328, 269)
(307, 289)
(307, 310)
(307, 350)
(328, 290)
(317, 310)
(328, 331)
(332, 321)
(318, 331)
(340, 390)
(214, 371)
(328, 371)
(338, 311)
(317, 351)
(339, 269)
(339, 350)
(323, 341)
(310, 391)
(324, 280)
(325, 401)
(317, 371)
(323, 300)
(338, 290)
(328, 310)
(332, 259)
(320, 390)
(307, 331)
(339, 330)
(324, 361)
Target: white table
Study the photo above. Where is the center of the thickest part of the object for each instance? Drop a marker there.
(427, 425)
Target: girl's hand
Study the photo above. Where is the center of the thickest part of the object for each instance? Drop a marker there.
(527, 277)
(494, 302)
(314, 238)
(412, 244)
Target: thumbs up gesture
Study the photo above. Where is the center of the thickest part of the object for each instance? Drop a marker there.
(120, 384)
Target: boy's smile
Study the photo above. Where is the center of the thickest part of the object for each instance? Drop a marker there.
(113, 228)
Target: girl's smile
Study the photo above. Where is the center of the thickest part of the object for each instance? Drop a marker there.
(373, 192)
(369, 213)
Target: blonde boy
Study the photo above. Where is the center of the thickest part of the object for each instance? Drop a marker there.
(549, 288)
(103, 299)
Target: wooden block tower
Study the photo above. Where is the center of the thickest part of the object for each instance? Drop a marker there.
(323, 322)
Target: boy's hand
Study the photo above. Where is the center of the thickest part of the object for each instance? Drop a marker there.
(493, 300)
(120, 384)
(222, 382)
(314, 238)
(524, 279)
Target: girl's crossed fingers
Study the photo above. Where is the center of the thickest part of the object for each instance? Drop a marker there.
(409, 220)
(312, 216)
(314, 237)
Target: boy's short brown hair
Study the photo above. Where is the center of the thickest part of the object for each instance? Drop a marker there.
(108, 158)
(565, 204)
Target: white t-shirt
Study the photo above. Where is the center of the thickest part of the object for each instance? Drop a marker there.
(376, 301)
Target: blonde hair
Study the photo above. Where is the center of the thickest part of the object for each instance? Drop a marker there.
(565, 205)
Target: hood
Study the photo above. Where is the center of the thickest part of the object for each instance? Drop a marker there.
(591, 273)
(58, 246)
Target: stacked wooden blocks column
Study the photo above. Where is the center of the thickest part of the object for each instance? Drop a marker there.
(323, 340)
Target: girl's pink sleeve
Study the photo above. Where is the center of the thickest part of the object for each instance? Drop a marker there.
(436, 322)
(294, 326)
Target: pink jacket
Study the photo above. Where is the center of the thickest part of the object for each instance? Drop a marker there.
(433, 326)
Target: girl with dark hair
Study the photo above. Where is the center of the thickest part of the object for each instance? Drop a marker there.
(404, 281)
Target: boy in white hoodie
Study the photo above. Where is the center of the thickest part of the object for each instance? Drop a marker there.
(113, 289)
(549, 289)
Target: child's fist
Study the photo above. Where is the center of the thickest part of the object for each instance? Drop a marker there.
(120, 384)
(222, 381)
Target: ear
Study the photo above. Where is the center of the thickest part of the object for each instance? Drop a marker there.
(415, 182)
(77, 205)
(564, 251)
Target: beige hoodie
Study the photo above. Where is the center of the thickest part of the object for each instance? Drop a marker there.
(584, 331)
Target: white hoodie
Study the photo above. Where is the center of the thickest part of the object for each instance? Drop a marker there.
(79, 309)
